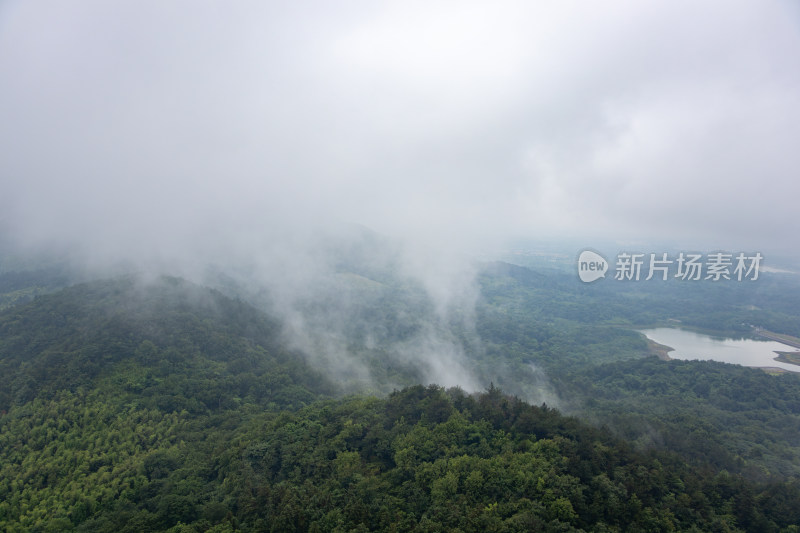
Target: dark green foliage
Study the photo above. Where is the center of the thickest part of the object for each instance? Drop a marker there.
(23, 286)
(124, 394)
(737, 418)
(423, 459)
(176, 345)
(163, 406)
(731, 417)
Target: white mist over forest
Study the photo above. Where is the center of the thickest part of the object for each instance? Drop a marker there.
(262, 139)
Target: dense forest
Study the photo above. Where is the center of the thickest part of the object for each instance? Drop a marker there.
(738, 418)
(161, 405)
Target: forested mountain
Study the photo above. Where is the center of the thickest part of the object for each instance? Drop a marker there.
(19, 286)
(737, 418)
(158, 405)
(399, 266)
(151, 338)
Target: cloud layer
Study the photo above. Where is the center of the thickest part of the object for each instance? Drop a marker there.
(141, 126)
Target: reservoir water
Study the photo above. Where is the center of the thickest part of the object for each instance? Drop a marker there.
(746, 352)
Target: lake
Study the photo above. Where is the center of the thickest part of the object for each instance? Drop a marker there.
(745, 352)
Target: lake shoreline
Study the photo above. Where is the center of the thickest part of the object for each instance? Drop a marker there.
(671, 343)
(792, 358)
(788, 340)
(659, 350)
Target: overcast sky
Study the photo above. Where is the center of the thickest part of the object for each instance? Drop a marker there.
(130, 124)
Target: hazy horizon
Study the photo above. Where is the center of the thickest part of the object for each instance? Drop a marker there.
(144, 129)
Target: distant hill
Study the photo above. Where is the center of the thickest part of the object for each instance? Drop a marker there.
(143, 333)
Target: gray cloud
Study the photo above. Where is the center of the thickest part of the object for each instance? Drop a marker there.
(137, 124)
(253, 134)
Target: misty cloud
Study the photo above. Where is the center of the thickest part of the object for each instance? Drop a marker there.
(182, 134)
(138, 124)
